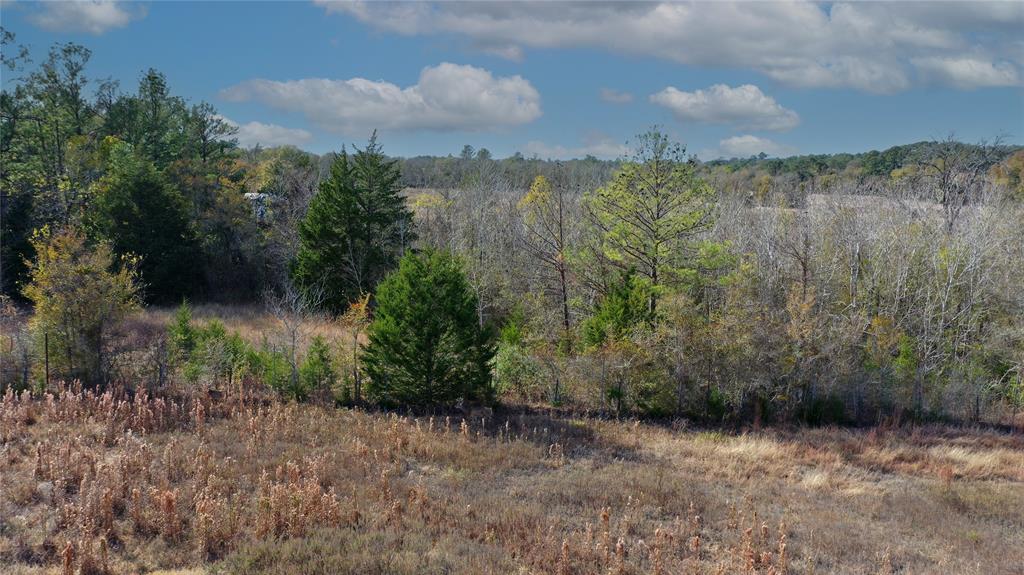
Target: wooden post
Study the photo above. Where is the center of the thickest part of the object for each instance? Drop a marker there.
(46, 354)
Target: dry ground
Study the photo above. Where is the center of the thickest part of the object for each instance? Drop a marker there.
(94, 484)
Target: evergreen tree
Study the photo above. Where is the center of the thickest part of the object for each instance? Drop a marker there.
(426, 346)
(355, 230)
(622, 310)
(317, 371)
(138, 212)
(650, 210)
(181, 333)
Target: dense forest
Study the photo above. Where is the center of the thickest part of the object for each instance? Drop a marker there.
(822, 288)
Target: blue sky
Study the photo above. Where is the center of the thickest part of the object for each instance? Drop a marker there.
(568, 78)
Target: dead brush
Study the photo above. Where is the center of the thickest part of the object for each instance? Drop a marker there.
(377, 475)
(198, 417)
(166, 502)
(758, 553)
(563, 559)
(946, 475)
(96, 499)
(17, 412)
(620, 557)
(695, 532)
(294, 503)
(662, 541)
(137, 513)
(782, 560)
(749, 555)
(606, 545)
(216, 525)
(886, 566)
(86, 558)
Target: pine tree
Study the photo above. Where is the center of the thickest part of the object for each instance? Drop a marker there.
(355, 230)
(650, 211)
(425, 344)
(317, 372)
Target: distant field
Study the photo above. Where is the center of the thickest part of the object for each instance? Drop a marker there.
(95, 485)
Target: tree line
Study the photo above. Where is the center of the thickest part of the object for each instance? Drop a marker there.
(842, 288)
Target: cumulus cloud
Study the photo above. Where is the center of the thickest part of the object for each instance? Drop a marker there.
(748, 145)
(745, 107)
(597, 145)
(268, 135)
(871, 46)
(615, 97)
(446, 97)
(968, 73)
(91, 16)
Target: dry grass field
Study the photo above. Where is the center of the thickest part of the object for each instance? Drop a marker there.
(98, 484)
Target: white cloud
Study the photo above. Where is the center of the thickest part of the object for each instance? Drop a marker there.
(597, 145)
(446, 97)
(968, 73)
(747, 145)
(615, 97)
(92, 16)
(870, 46)
(268, 135)
(506, 51)
(745, 107)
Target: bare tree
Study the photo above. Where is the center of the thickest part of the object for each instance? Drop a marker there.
(956, 174)
(295, 310)
(549, 225)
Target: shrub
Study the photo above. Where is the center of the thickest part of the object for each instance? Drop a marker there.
(317, 370)
(79, 294)
(273, 369)
(516, 372)
(207, 353)
(426, 346)
(181, 334)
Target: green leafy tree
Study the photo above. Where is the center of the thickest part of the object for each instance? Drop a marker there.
(425, 344)
(654, 204)
(79, 295)
(138, 212)
(355, 230)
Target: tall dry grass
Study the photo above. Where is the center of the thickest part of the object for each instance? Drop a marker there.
(101, 483)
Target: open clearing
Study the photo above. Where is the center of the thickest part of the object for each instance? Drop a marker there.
(96, 484)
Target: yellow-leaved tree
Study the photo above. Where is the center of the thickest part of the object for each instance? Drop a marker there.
(79, 295)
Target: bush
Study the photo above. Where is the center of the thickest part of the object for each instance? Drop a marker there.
(317, 371)
(517, 373)
(426, 347)
(206, 353)
(273, 369)
(181, 334)
(79, 295)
